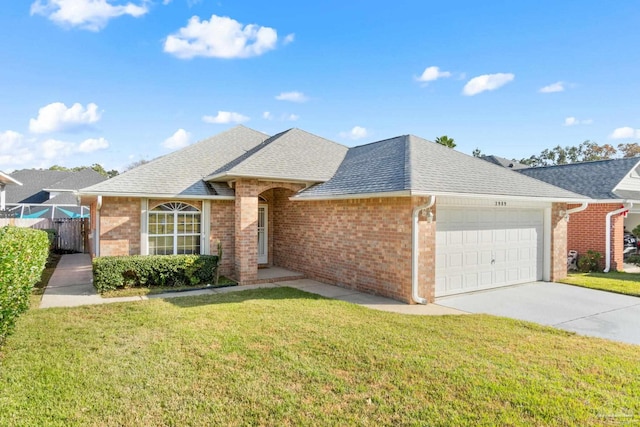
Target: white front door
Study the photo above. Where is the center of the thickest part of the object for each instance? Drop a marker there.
(483, 248)
(263, 256)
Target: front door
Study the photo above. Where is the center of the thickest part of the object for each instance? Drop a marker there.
(263, 256)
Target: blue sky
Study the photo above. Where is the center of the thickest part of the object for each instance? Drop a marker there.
(113, 82)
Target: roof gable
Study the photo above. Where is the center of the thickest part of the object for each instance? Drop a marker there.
(293, 155)
(597, 179)
(182, 172)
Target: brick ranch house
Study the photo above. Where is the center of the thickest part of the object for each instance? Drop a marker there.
(614, 187)
(404, 218)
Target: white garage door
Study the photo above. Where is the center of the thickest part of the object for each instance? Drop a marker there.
(483, 248)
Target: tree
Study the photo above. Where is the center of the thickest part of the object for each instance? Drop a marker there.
(585, 152)
(135, 164)
(631, 149)
(446, 141)
(96, 167)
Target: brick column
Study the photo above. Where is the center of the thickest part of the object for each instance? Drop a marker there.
(246, 233)
(559, 248)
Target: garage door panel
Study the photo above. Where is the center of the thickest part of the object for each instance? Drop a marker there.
(482, 248)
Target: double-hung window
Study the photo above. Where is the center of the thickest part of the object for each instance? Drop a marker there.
(174, 228)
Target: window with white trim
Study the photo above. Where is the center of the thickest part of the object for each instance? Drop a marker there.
(174, 228)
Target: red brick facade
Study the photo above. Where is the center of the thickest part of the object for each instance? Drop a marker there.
(223, 230)
(587, 231)
(558, 242)
(362, 244)
(120, 226)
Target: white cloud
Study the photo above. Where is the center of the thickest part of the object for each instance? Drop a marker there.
(289, 38)
(57, 117)
(18, 151)
(179, 139)
(432, 73)
(92, 15)
(486, 82)
(225, 117)
(267, 115)
(291, 117)
(292, 96)
(357, 132)
(93, 144)
(572, 121)
(10, 140)
(54, 148)
(625, 133)
(220, 37)
(553, 87)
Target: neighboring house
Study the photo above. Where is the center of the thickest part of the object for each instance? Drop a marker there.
(404, 218)
(501, 161)
(4, 181)
(49, 193)
(614, 186)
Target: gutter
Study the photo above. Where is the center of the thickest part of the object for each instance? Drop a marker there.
(608, 235)
(96, 242)
(415, 238)
(580, 208)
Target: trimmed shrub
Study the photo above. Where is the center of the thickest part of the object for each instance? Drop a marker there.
(633, 259)
(590, 262)
(23, 254)
(115, 272)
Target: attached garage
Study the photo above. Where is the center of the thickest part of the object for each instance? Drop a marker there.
(482, 247)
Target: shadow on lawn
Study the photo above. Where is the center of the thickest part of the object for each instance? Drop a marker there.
(238, 297)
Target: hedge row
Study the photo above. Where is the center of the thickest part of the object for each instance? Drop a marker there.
(23, 254)
(114, 272)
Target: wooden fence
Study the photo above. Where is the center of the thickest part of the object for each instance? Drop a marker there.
(71, 233)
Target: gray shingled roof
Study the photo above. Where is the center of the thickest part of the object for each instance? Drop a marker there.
(410, 163)
(181, 172)
(77, 180)
(293, 155)
(35, 181)
(596, 180)
(505, 163)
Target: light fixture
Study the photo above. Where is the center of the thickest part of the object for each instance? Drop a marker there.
(429, 216)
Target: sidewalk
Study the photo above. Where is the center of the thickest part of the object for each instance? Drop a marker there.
(71, 286)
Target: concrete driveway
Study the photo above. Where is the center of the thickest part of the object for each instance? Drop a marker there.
(572, 308)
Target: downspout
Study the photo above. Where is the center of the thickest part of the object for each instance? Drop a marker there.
(607, 250)
(576, 210)
(415, 252)
(96, 248)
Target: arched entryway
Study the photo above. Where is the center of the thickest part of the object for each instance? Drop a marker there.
(259, 221)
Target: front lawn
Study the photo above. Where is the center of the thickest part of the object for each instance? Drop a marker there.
(284, 357)
(619, 282)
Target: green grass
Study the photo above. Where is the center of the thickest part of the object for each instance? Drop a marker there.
(284, 357)
(140, 291)
(38, 288)
(619, 282)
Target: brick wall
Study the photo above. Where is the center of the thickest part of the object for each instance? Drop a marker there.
(559, 249)
(587, 231)
(362, 244)
(223, 229)
(120, 226)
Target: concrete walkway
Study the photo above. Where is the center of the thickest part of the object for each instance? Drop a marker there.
(71, 285)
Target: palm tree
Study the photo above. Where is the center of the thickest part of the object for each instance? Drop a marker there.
(446, 141)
